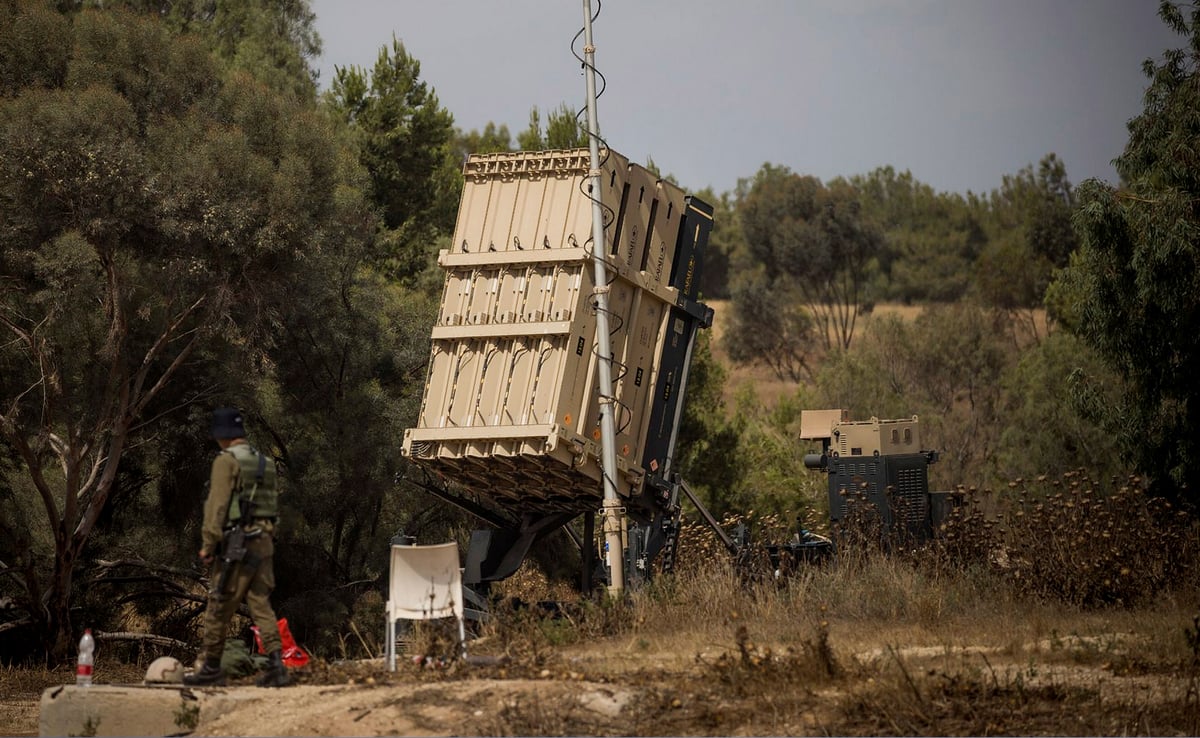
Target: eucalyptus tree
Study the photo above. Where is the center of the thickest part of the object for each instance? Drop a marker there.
(155, 214)
(1132, 290)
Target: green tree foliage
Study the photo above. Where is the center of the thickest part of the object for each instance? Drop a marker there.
(1031, 237)
(154, 214)
(944, 366)
(814, 240)
(405, 140)
(707, 450)
(1046, 429)
(274, 40)
(744, 461)
(349, 373)
(1039, 205)
(492, 139)
(874, 377)
(562, 131)
(774, 481)
(36, 46)
(1134, 278)
(1011, 279)
(769, 325)
(930, 238)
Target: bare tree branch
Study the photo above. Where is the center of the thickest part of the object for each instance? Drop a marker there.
(24, 336)
(35, 470)
(160, 343)
(17, 400)
(91, 514)
(197, 397)
(140, 404)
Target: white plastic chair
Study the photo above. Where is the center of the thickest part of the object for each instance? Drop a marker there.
(425, 583)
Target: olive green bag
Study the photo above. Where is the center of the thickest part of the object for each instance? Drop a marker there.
(237, 661)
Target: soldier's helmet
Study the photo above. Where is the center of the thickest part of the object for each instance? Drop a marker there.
(227, 423)
(164, 670)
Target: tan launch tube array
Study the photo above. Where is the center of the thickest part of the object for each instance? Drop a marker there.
(510, 408)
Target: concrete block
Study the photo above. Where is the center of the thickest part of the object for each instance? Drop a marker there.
(119, 710)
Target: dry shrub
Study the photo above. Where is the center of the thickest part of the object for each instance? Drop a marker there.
(691, 598)
(364, 639)
(536, 714)
(699, 547)
(521, 634)
(530, 635)
(753, 669)
(863, 582)
(431, 643)
(1072, 540)
(979, 698)
(900, 699)
(1065, 540)
(861, 530)
(874, 585)
(530, 584)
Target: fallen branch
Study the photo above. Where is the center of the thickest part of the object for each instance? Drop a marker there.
(355, 583)
(145, 637)
(15, 624)
(189, 573)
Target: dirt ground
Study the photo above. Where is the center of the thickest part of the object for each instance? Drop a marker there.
(856, 679)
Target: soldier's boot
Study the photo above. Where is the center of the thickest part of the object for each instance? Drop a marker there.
(276, 674)
(209, 675)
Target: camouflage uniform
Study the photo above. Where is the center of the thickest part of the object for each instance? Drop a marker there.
(252, 584)
(240, 476)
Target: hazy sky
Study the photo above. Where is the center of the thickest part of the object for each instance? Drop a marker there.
(960, 92)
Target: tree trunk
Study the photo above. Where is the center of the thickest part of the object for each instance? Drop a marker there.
(57, 633)
(335, 546)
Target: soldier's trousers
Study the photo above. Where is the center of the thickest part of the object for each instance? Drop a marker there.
(250, 582)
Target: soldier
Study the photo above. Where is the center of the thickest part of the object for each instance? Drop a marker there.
(238, 541)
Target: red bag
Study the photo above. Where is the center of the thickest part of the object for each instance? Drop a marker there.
(293, 656)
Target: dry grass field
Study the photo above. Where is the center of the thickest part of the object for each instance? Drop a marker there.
(870, 646)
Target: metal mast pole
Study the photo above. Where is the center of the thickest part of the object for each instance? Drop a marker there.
(612, 511)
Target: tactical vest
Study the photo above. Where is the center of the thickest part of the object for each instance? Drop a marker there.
(255, 482)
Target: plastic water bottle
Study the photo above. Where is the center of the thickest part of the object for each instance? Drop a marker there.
(83, 669)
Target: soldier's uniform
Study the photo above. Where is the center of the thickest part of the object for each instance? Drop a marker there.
(243, 492)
